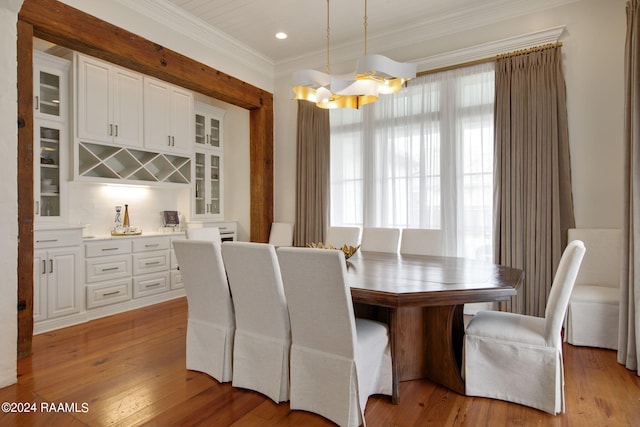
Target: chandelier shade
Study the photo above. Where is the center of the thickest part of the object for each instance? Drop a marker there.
(388, 74)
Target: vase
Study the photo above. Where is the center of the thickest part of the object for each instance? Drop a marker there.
(125, 222)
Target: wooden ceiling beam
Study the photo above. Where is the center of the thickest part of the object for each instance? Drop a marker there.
(64, 25)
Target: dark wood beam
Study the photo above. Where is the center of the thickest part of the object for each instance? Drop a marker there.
(72, 28)
(25, 188)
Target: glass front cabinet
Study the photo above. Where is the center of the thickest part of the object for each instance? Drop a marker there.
(51, 140)
(50, 87)
(208, 189)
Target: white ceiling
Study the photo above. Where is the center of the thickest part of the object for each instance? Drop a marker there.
(254, 23)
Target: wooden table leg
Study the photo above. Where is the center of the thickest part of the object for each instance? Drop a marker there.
(393, 338)
(444, 334)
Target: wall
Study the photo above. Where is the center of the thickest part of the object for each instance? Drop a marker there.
(593, 48)
(9, 193)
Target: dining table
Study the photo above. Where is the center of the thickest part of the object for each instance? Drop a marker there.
(422, 300)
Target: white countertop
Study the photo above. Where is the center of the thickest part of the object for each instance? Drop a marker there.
(105, 236)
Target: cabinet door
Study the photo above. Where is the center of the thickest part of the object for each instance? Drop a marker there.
(94, 100)
(50, 86)
(157, 115)
(207, 193)
(181, 120)
(39, 285)
(50, 140)
(214, 185)
(127, 107)
(62, 294)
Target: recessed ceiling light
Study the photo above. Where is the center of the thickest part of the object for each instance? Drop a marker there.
(281, 35)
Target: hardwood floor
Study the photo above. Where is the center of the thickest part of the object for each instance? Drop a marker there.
(129, 369)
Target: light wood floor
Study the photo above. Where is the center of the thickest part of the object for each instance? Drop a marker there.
(129, 369)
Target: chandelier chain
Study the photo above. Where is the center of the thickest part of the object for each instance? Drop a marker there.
(365, 27)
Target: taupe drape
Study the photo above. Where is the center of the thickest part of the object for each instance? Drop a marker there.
(628, 338)
(312, 174)
(532, 178)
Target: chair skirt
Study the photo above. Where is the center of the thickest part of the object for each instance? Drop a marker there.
(209, 349)
(268, 374)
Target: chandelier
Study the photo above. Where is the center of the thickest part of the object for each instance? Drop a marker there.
(375, 74)
(388, 75)
(322, 88)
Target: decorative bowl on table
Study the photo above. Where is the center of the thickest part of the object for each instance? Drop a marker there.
(346, 249)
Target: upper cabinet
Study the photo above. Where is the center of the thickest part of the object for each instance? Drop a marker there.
(208, 126)
(50, 86)
(168, 117)
(50, 137)
(109, 103)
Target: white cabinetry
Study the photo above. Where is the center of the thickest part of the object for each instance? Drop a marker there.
(108, 272)
(51, 87)
(57, 264)
(50, 170)
(151, 262)
(109, 103)
(208, 126)
(207, 191)
(168, 117)
(50, 136)
(124, 273)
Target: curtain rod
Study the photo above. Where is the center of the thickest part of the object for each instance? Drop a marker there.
(492, 58)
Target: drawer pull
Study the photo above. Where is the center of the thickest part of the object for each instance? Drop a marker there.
(109, 249)
(108, 294)
(151, 245)
(47, 241)
(152, 285)
(152, 263)
(111, 269)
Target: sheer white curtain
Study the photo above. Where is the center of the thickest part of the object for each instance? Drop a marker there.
(422, 158)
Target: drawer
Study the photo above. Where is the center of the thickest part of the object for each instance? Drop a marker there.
(176, 280)
(107, 268)
(150, 284)
(57, 238)
(150, 262)
(108, 293)
(108, 247)
(150, 244)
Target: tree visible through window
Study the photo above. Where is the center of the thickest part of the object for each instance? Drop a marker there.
(421, 158)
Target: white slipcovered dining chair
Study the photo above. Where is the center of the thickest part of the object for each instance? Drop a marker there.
(337, 361)
(340, 236)
(204, 233)
(379, 239)
(281, 234)
(421, 241)
(594, 307)
(518, 358)
(263, 334)
(211, 322)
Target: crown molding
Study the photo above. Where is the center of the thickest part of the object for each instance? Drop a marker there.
(175, 18)
(491, 49)
(440, 26)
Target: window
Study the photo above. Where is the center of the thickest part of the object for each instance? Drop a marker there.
(421, 158)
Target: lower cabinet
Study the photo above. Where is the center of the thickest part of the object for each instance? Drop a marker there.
(126, 270)
(56, 264)
(57, 281)
(113, 275)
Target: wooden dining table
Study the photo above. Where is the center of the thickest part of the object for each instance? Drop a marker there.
(422, 298)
